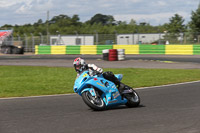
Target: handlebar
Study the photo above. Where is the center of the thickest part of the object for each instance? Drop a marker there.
(95, 73)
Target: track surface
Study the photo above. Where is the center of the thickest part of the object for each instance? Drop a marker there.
(176, 58)
(172, 109)
(132, 61)
(169, 109)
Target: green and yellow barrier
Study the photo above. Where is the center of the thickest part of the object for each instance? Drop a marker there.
(129, 49)
(196, 49)
(102, 47)
(42, 49)
(152, 49)
(58, 49)
(88, 49)
(179, 49)
(72, 49)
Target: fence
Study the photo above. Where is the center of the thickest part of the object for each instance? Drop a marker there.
(30, 41)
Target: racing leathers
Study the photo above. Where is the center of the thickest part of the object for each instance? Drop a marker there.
(107, 75)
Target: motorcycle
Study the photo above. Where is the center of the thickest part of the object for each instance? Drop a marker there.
(99, 93)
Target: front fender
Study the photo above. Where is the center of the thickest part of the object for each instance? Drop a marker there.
(91, 90)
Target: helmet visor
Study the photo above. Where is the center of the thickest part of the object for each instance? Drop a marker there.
(78, 67)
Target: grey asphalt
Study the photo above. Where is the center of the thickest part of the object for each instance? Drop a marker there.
(132, 61)
(170, 109)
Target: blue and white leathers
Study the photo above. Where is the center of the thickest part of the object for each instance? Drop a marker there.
(106, 89)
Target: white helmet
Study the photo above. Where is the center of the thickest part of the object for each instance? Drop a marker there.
(79, 64)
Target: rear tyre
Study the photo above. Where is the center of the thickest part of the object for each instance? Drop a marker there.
(94, 103)
(133, 99)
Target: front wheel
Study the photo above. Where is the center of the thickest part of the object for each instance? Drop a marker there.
(133, 99)
(96, 103)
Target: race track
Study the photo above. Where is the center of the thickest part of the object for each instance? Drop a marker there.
(132, 61)
(168, 109)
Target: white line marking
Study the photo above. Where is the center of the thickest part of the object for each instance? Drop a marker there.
(167, 85)
(38, 96)
(75, 93)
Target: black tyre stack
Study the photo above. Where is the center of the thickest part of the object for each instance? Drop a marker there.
(105, 54)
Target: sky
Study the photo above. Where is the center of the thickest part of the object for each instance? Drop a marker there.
(154, 12)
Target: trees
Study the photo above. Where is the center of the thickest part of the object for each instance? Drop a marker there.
(102, 19)
(175, 29)
(176, 24)
(195, 20)
(103, 24)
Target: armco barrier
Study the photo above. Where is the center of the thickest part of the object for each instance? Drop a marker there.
(36, 49)
(179, 49)
(196, 49)
(88, 49)
(73, 50)
(152, 49)
(58, 49)
(43, 49)
(129, 49)
(100, 48)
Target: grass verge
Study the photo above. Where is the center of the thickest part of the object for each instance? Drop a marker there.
(19, 81)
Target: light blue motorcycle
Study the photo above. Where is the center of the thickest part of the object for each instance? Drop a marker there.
(99, 93)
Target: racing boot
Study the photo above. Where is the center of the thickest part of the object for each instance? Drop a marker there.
(120, 87)
(124, 89)
(110, 76)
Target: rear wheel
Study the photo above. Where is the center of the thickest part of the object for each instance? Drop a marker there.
(133, 99)
(96, 103)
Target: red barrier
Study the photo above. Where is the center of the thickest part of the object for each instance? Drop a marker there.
(113, 55)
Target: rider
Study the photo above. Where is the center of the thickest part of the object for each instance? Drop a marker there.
(80, 66)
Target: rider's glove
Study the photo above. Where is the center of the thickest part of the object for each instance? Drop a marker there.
(100, 70)
(95, 68)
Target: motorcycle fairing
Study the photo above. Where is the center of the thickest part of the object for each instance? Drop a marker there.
(119, 76)
(110, 94)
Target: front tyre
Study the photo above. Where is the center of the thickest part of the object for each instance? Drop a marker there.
(94, 103)
(133, 99)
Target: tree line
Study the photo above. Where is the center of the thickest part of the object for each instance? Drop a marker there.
(105, 24)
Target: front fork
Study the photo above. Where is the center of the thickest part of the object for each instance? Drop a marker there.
(92, 92)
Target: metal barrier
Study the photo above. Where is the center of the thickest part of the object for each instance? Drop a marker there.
(129, 49)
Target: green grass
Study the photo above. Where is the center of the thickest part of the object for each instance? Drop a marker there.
(19, 81)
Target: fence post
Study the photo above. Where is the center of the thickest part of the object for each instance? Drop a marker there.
(84, 39)
(97, 37)
(18, 36)
(26, 43)
(182, 36)
(159, 38)
(76, 41)
(41, 38)
(48, 39)
(33, 42)
(116, 37)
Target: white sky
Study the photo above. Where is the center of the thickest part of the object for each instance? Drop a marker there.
(154, 12)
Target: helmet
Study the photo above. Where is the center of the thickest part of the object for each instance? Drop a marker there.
(79, 64)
